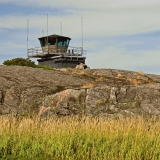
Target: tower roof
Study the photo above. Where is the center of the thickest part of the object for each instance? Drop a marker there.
(54, 36)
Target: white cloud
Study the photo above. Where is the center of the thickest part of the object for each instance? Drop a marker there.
(14, 45)
(118, 57)
(100, 17)
(10, 48)
(88, 4)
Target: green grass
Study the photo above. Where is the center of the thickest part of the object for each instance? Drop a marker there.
(80, 139)
(45, 67)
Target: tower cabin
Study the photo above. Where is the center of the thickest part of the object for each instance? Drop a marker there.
(56, 52)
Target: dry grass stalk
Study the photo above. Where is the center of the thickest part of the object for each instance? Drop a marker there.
(141, 73)
(100, 79)
(88, 85)
(79, 73)
(72, 137)
(136, 81)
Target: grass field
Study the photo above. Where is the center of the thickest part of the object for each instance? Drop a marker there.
(80, 139)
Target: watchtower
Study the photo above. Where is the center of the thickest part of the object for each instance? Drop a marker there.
(56, 52)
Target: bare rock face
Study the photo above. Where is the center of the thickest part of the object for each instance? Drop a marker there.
(66, 102)
(99, 92)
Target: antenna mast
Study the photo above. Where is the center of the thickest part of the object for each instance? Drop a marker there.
(82, 31)
(27, 36)
(47, 33)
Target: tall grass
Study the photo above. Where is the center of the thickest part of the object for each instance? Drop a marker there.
(71, 138)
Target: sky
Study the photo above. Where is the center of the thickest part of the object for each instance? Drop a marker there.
(117, 34)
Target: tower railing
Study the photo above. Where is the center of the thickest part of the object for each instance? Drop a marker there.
(71, 51)
(34, 51)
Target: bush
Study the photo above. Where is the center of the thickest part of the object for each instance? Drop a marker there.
(20, 62)
(25, 62)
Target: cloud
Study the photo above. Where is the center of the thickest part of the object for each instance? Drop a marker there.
(94, 4)
(119, 57)
(10, 47)
(100, 18)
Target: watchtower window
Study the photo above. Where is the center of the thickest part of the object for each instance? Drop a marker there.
(63, 43)
(54, 40)
(42, 42)
(60, 43)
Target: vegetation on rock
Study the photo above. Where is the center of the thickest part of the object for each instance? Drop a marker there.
(44, 67)
(20, 62)
(25, 62)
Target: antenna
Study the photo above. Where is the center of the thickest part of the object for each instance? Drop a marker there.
(27, 36)
(82, 31)
(61, 28)
(42, 33)
(47, 33)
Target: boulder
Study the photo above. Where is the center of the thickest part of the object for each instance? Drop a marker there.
(82, 66)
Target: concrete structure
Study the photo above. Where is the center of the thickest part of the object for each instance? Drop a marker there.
(55, 52)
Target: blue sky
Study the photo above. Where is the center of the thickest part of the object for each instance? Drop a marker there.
(117, 34)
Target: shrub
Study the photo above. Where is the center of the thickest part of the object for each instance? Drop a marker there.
(20, 62)
(25, 62)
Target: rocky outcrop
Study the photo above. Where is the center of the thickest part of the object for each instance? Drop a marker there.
(96, 92)
(106, 101)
